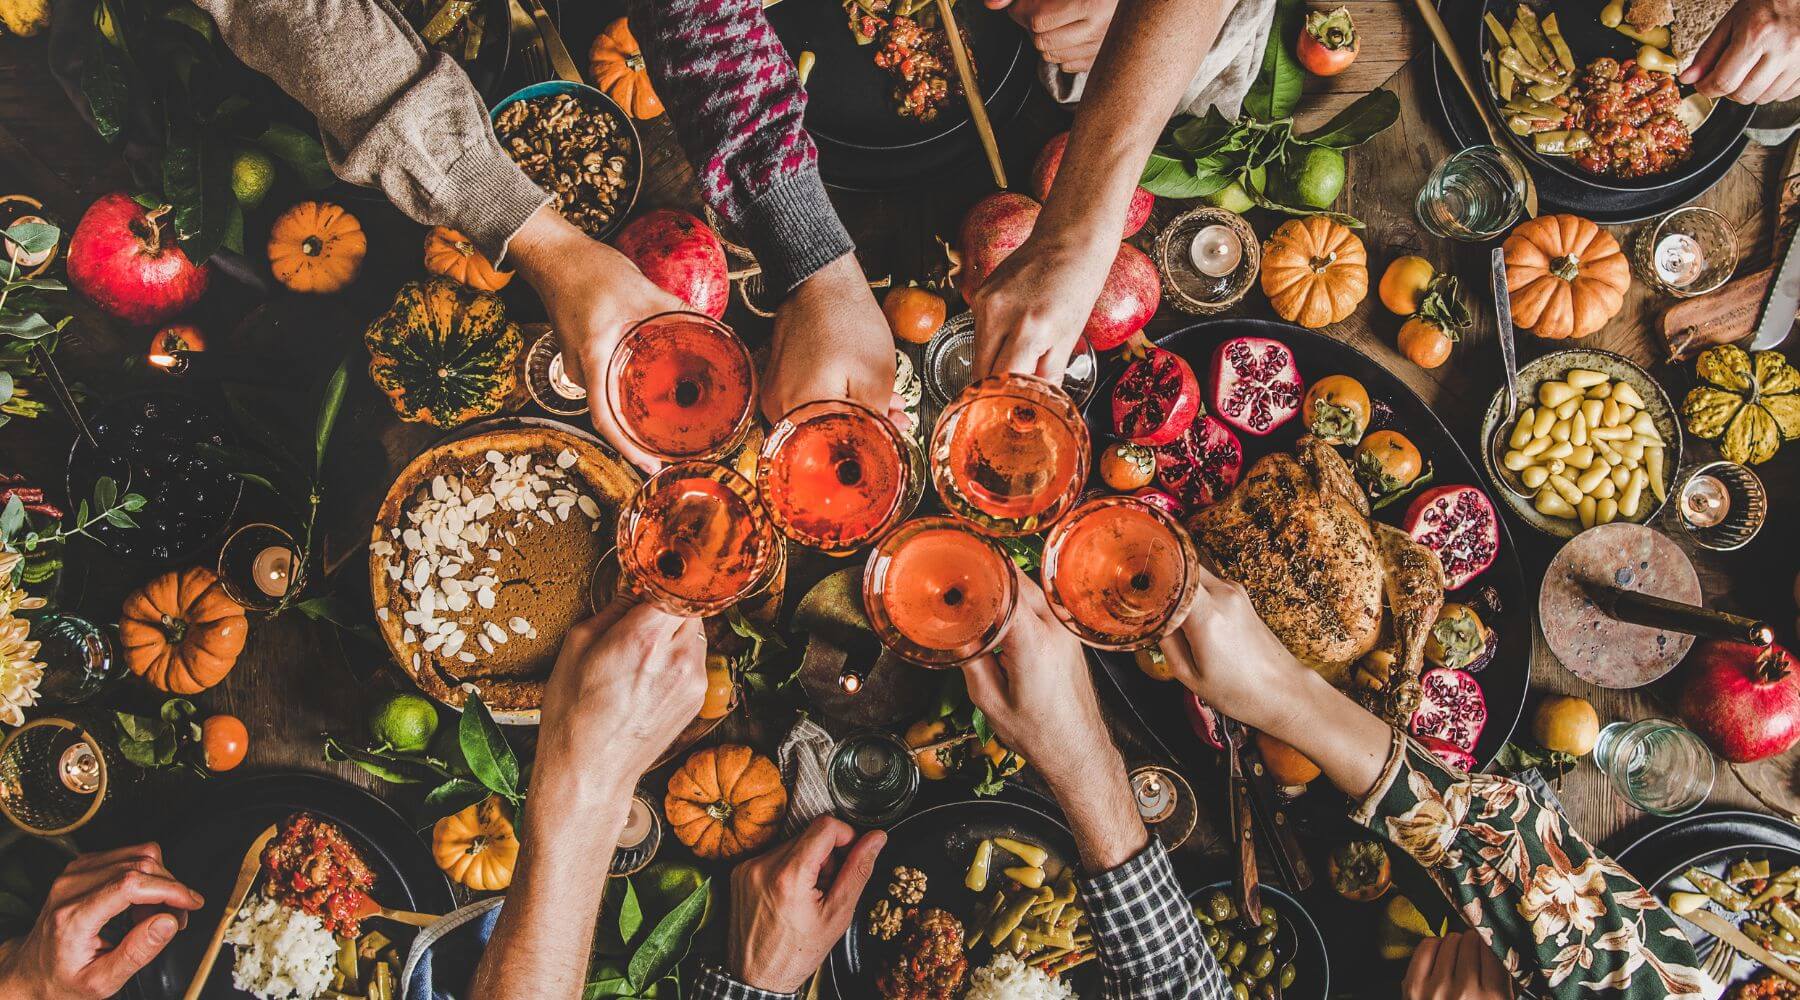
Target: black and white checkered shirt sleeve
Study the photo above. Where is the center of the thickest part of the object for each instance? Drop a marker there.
(716, 984)
(1149, 942)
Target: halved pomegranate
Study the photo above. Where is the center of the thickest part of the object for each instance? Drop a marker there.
(1458, 523)
(1155, 399)
(1451, 707)
(1205, 722)
(1162, 500)
(1448, 752)
(1255, 384)
(1201, 465)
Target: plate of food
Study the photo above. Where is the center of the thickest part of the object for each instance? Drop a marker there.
(1600, 103)
(1755, 888)
(475, 33)
(1317, 479)
(973, 899)
(1284, 948)
(482, 554)
(295, 935)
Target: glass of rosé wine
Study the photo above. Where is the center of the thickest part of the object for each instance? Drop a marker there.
(835, 475)
(682, 387)
(695, 541)
(1010, 454)
(938, 593)
(1119, 572)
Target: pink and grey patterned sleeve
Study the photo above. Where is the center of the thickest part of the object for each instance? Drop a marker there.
(738, 109)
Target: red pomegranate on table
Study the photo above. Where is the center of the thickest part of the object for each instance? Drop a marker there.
(1459, 524)
(991, 230)
(681, 255)
(1129, 298)
(1043, 175)
(124, 257)
(1742, 699)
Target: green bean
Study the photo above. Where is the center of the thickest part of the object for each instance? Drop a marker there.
(1744, 869)
(1785, 916)
(1513, 60)
(1718, 891)
(444, 20)
(1561, 142)
(1558, 45)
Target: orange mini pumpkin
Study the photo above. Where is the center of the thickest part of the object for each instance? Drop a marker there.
(1314, 271)
(477, 847)
(316, 246)
(449, 253)
(182, 632)
(1567, 276)
(617, 64)
(725, 801)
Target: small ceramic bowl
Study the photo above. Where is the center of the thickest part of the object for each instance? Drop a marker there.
(1298, 938)
(600, 104)
(1554, 366)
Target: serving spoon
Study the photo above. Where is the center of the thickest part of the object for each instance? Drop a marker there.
(246, 877)
(1509, 357)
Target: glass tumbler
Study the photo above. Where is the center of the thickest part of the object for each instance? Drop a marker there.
(1656, 765)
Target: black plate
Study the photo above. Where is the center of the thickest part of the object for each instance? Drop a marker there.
(487, 71)
(1298, 939)
(208, 838)
(1609, 201)
(940, 841)
(1503, 681)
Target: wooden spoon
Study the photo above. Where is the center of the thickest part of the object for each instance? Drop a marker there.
(246, 877)
(367, 907)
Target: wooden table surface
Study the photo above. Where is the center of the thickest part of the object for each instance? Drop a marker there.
(297, 680)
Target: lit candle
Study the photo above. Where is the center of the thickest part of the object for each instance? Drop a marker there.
(1679, 259)
(1216, 250)
(273, 570)
(1705, 501)
(1155, 797)
(80, 769)
(639, 821)
(547, 379)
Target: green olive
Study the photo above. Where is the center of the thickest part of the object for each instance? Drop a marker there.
(1269, 917)
(1262, 962)
(1265, 991)
(1265, 934)
(1219, 905)
(1214, 939)
(1286, 978)
(1201, 915)
(1235, 957)
(1240, 992)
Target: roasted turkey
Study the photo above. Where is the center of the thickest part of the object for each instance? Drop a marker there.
(1352, 598)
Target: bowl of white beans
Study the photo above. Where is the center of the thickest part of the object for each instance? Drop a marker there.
(1596, 440)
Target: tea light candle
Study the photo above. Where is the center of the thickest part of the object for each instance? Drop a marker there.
(80, 769)
(547, 378)
(639, 821)
(1155, 796)
(1679, 260)
(273, 570)
(1216, 251)
(1705, 501)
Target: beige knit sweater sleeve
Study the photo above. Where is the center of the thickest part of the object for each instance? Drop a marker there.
(393, 115)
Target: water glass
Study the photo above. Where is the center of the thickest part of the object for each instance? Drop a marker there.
(1655, 765)
(1473, 195)
(872, 778)
(79, 657)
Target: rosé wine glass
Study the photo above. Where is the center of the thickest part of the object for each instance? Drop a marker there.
(682, 387)
(938, 593)
(1119, 572)
(1010, 454)
(835, 475)
(695, 541)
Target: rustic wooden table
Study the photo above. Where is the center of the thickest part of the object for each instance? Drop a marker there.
(298, 680)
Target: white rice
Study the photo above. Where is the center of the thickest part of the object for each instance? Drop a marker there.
(1007, 978)
(282, 953)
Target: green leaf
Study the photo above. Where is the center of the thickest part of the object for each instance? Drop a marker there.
(1168, 177)
(119, 519)
(81, 514)
(979, 723)
(1264, 201)
(330, 404)
(30, 326)
(490, 757)
(104, 84)
(453, 796)
(991, 782)
(631, 915)
(1276, 90)
(13, 517)
(1368, 117)
(34, 238)
(106, 493)
(181, 174)
(300, 151)
(132, 502)
(607, 989)
(669, 940)
(1195, 134)
(398, 769)
(177, 710)
(333, 609)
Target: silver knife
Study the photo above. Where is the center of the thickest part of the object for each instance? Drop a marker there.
(1783, 300)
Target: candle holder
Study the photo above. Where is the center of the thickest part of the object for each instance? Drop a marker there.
(950, 364)
(640, 839)
(1688, 252)
(1721, 505)
(55, 774)
(15, 209)
(260, 565)
(547, 381)
(1165, 801)
(1187, 286)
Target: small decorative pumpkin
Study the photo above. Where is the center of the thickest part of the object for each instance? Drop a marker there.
(617, 65)
(181, 632)
(477, 847)
(449, 253)
(1749, 402)
(1566, 275)
(725, 801)
(444, 354)
(1314, 271)
(316, 246)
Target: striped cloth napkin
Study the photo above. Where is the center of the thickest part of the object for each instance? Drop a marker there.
(804, 755)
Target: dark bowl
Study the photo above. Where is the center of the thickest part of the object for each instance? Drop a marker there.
(1298, 940)
(487, 71)
(600, 104)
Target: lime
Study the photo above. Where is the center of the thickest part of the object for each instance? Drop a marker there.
(252, 173)
(1232, 198)
(664, 884)
(1318, 177)
(405, 722)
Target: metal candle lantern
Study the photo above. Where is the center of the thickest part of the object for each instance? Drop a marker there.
(1721, 505)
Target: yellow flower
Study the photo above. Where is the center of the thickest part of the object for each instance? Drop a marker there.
(14, 598)
(1559, 899)
(1427, 830)
(20, 672)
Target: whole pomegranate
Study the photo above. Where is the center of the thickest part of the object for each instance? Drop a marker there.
(1201, 465)
(1043, 174)
(992, 229)
(681, 255)
(1155, 399)
(1458, 523)
(125, 259)
(1129, 298)
(1743, 699)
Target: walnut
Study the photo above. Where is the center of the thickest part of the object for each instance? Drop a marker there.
(578, 153)
(885, 920)
(908, 886)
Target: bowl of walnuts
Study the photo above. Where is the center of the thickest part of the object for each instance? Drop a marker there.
(577, 144)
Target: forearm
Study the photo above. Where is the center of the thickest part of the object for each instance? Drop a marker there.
(1349, 744)
(1096, 799)
(393, 114)
(1150, 54)
(541, 943)
(738, 109)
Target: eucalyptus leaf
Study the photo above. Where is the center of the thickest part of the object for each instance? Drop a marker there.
(1370, 115)
(13, 517)
(33, 238)
(330, 405)
(30, 326)
(484, 746)
(669, 940)
(1276, 90)
(119, 519)
(106, 493)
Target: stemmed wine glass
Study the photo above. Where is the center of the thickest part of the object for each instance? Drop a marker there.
(1010, 454)
(682, 387)
(695, 541)
(835, 475)
(938, 593)
(1119, 572)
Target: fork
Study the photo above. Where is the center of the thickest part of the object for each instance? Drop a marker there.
(1719, 962)
(531, 44)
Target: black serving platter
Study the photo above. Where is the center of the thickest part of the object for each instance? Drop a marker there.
(207, 838)
(1504, 680)
(940, 841)
(487, 71)
(1561, 185)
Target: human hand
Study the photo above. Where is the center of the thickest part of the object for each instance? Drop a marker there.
(831, 342)
(1029, 313)
(593, 294)
(623, 688)
(1456, 967)
(787, 912)
(63, 957)
(1225, 654)
(1750, 55)
(1067, 33)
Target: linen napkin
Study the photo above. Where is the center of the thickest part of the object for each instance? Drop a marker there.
(804, 755)
(1224, 76)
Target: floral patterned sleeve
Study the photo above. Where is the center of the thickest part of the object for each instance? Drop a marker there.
(1566, 920)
